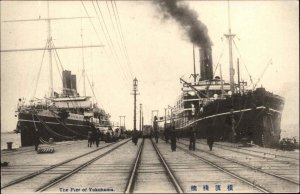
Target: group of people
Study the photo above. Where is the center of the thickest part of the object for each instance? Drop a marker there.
(170, 133)
(94, 136)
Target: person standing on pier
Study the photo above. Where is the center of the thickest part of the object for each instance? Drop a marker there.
(210, 138)
(192, 139)
(97, 136)
(135, 136)
(173, 137)
(167, 134)
(90, 134)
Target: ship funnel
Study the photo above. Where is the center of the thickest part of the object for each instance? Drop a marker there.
(73, 83)
(66, 79)
(206, 69)
(69, 83)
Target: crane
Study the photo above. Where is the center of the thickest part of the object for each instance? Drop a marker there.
(258, 80)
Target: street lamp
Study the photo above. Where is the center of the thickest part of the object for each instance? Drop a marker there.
(135, 89)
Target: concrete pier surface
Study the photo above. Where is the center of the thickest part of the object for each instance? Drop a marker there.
(74, 167)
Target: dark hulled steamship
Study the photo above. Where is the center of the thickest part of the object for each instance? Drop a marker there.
(61, 116)
(227, 111)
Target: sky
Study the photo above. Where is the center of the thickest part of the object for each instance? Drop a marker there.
(148, 46)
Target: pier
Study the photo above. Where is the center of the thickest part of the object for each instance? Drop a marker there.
(123, 167)
(149, 97)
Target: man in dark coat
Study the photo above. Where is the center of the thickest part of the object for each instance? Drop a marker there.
(97, 137)
(173, 138)
(192, 139)
(167, 134)
(135, 136)
(210, 138)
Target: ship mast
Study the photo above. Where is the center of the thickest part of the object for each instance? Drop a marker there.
(49, 45)
(50, 51)
(83, 66)
(230, 37)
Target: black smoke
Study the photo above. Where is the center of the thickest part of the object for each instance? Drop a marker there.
(188, 20)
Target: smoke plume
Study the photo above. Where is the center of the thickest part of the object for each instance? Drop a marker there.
(188, 20)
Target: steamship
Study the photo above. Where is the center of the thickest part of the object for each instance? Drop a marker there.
(227, 111)
(62, 117)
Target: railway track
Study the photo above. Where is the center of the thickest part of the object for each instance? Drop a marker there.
(264, 155)
(269, 153)
(149, 167)
(151, 172)
(47, 177)
(259, 162)
(255, 177)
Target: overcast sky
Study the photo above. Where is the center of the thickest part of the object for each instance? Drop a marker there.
(159, 52)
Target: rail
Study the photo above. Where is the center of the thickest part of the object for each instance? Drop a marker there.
(167, 168)
(249, 166)
(249, 154)
(226, 171)
(36, 173)
(131, 182)
(68, 174)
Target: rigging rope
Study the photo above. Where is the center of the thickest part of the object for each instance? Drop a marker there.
(126, 83)
(110, 42)
(117, 32)
(57, 55)
(258, 80)
(113, 25)
(243, 61)
(92, 88)
(59, 72)
(242, 114)
(122, 36)
(39, 72)
(54, 114)
(221, 55)
(50, 130)
(43, 141)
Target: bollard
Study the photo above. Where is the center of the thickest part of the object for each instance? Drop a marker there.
(51, 141)
(9, 145)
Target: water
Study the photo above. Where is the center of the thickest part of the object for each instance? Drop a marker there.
(10, 137)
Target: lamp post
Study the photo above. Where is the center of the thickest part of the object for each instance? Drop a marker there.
(135, 89)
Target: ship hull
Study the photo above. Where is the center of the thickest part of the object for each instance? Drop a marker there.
(50, 127)
(252, 117)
